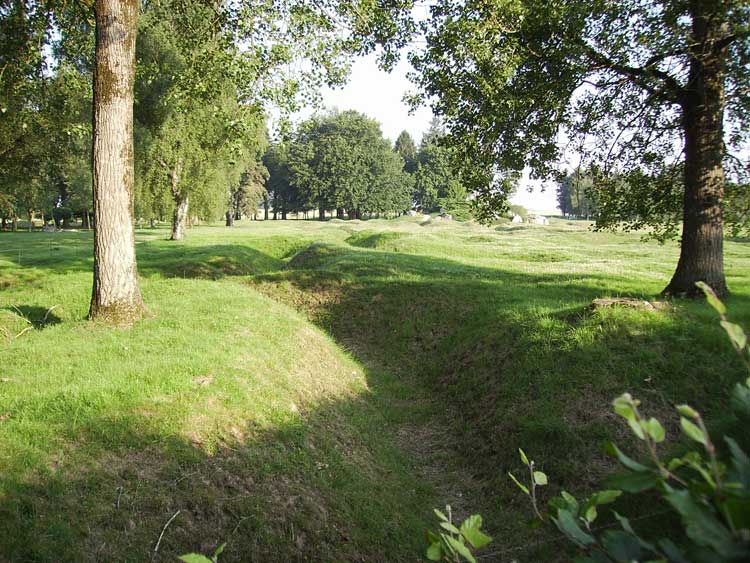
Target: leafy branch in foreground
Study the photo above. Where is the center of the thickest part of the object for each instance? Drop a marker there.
(452, 543)
(708, 492)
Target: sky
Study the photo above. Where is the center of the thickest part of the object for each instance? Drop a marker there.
(379, 95)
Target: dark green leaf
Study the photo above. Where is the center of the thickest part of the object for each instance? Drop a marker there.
(628, 462)
(700, 524)
(568, 525)
(621, 546)
(634, 482)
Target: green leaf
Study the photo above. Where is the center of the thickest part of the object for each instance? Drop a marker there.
(571, 502)
(739, 470)
(435, 551)
(540, 478)
(194, 558)
(741, 401)
(621, 546)
(450, 527)
(607, 496)
(521, 486)
(440, 515)
(219, 550)
(568, 525)
(714, 301)
(590, 514)
(524, 459)
(628, 462)
(634, 482)
(692, 431)
(674, 554)
(460, 548)
(470, 529)
(687, 410)
(655, 430)
(475, 536)
(700, 524)
(736, 335)
(636, 427)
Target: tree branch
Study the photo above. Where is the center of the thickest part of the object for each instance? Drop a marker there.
(669, 89)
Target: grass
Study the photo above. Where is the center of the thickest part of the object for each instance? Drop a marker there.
(310, 391)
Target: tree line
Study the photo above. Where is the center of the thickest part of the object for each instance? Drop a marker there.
(339, 163)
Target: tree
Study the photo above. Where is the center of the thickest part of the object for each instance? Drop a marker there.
(341, 161)
(407, 149)
(437, 183)
(626, 82)
(574, 194)
(284, 194)
(116, 296)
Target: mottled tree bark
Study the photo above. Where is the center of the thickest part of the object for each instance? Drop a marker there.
(181, 203)
(179, 217)
(230, 219)
(116, 296)
(701, 252)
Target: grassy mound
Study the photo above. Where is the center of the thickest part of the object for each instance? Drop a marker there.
(377, 240)
(221, 404)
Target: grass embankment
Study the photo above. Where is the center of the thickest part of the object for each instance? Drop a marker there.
(439, 349)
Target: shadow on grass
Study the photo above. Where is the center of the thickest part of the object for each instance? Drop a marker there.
(318, 488)
(511, 359)
(39, 317)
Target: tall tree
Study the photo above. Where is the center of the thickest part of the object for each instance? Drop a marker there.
(407, 149)
(634, 84)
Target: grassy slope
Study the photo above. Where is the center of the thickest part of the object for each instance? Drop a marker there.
(449, 346)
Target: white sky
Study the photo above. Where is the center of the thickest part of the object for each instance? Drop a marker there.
(379, 94)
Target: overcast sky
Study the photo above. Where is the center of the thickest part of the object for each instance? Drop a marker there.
(379, 95)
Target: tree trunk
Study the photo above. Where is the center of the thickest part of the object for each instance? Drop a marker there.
(283, 213)
(339, 213)
(152, 223)
(179, 217)
(86, 223)
(116, 296)
(321, 214)
(701, 251)
(181, 202)
(265, 209)
(30, 213)
(14, 223)
(230, 219)
(4, 224)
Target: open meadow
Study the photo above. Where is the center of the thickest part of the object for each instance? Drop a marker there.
(307, 390)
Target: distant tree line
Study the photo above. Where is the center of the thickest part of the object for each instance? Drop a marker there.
(340, 164)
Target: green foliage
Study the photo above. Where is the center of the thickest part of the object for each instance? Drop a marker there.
(342, 161)
(709, 494)
(437, 184)
(454, 542)
(407, 149)
(198, 558)
(574, 194)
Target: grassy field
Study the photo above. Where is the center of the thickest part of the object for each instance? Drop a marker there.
(310, 391)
